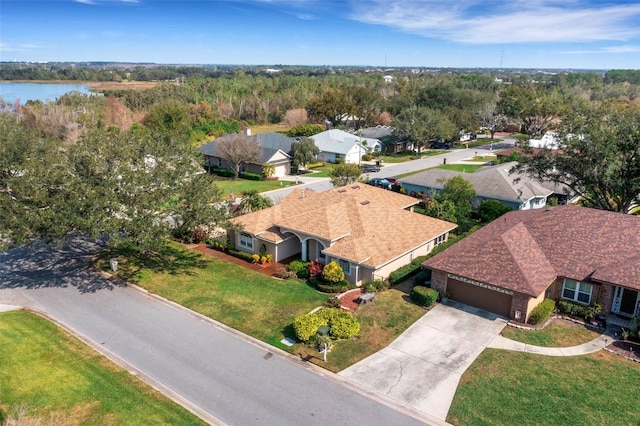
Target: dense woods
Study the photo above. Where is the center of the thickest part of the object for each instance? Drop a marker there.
(76, 164)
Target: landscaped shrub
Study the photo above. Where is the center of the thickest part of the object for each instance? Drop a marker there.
(376, 285)
(542, 312)
(251, 176)
(314, 268)
(327, 287)
(221, 171)
(282, 273)
(333, 302)
(423, 276)
(241, 255)
(299, 267)
(255, 258)
(575, 309)
(367, 157)
(344, 326)
(424, 296)
(306, 326)
(332, 272)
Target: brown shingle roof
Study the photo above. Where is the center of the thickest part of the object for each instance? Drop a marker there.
(369, 225)
(526, 250)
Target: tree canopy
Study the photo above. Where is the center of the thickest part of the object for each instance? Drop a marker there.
(238, 149)
(304, 152)
(129, 186)
(345, 174)
(599, 156)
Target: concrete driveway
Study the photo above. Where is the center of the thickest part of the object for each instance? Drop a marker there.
(423, 366)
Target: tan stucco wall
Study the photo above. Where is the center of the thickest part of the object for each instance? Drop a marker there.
(287, 248)
(533, 302)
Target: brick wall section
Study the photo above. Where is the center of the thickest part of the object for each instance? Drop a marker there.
(605, 298)
(438, 280)
(519, 302)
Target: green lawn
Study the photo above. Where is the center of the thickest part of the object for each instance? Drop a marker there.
(380, 324)
(50, 377)
(511, 388)
(258, 305)
(238, 186)
(465, 168)
(558, 334)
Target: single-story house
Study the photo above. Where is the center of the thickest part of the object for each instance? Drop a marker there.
(386, 135)
(276, 150)
(573, 253)
(337, 144)
(515, 190)
(370, 232)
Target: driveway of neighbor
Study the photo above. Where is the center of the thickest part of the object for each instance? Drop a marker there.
(423, 366)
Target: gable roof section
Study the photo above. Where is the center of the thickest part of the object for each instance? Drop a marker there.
(489, 182)
(270, 143)
(339, 141)
(363, 222)
(524, 250)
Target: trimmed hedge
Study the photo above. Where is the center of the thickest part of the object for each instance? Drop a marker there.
(241, 254)
(221, 171)
(342, 324)
(414, 267)
(306, 326)
(251, 176)
(300, 267)
(542, 312)
(578, 310)
(327, 287)
(424, 296)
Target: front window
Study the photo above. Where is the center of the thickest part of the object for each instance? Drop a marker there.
(576, 291)
(346, 266)
(246, 241)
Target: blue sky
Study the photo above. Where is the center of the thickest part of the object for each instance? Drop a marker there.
(589, 34)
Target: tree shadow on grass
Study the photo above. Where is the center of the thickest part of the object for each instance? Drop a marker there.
(170, 259)
(41, 265)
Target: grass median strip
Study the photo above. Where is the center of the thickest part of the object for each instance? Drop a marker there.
(50, 377)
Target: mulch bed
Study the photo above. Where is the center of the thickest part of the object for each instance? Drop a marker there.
(625, 348)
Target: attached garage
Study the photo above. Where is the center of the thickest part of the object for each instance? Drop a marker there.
(480, 295)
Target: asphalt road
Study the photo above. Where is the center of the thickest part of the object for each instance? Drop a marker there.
(394, 169)
(219, 374)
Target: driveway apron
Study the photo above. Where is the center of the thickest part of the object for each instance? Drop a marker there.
(423, 366)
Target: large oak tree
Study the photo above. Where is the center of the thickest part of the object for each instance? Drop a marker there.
(599, 156)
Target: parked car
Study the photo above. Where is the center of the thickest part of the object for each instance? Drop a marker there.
(380, 182)
(370, 168)
(441, 145)
(394, 181)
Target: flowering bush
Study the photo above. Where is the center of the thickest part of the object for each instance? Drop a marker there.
(332, 272)
(315, 268)
(255, 258)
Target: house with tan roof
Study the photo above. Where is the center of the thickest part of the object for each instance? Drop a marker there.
(337, 145)
(570, 253)
(368, 231)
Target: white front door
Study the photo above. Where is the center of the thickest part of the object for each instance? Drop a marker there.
(625, 301)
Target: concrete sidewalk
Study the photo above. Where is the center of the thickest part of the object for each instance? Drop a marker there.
(501, 342)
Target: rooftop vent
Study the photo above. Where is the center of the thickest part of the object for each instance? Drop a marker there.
(365, 202)
(342, 190)
(355, 187)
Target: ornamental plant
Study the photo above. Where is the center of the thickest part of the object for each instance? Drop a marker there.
(255, 258)
(315, 268)
(332, 272)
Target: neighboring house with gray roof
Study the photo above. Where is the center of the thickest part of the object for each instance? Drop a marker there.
(276, 149)
(345, 224)
(390, 142)
(569, 253)
(337, 144)
(517, 191)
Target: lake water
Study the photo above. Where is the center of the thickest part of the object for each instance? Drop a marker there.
(37, 91)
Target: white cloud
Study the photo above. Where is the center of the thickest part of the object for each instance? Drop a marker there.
(19, 47)
(609, 49)
(519, 21)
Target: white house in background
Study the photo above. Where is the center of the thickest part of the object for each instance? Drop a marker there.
(337, 144)
(549, 140)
